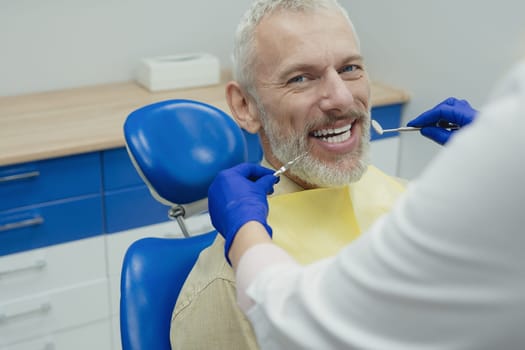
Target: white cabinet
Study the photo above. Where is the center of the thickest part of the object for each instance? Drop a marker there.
(90, 337)
(49, 291)
(384, 154)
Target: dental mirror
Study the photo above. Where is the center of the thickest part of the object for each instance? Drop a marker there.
(379, 129)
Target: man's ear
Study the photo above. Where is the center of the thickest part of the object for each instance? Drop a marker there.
(242, 107)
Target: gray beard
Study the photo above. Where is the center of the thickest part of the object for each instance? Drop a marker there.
(341, 171)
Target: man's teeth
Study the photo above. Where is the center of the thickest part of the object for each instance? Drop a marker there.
(334, 135)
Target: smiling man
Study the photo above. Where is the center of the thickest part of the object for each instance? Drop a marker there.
(301, 84)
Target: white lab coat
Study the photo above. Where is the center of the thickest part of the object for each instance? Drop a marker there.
(444, 270)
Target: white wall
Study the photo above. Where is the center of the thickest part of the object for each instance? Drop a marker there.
(436, 49)
(432, 49)
(53, 44)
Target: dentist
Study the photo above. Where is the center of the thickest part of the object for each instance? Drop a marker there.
(445, 269)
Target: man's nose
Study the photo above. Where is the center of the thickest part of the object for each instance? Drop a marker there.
(336, 96)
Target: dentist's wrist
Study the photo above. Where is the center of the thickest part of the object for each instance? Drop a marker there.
(249, 235)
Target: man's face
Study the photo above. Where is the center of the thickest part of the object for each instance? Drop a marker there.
(313, 95)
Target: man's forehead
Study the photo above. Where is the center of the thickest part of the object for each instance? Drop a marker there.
(292, 37)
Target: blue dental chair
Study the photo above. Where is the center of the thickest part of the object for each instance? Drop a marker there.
(177, 146)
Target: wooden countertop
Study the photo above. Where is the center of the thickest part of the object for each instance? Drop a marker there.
(60, 123)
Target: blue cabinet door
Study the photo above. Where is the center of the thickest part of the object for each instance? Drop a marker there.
(49, 180)
(50, 223)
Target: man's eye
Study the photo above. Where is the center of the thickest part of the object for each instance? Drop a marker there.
(297, 79)
(351, 72)
(349, 69)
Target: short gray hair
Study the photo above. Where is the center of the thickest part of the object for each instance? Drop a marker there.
(244, 50)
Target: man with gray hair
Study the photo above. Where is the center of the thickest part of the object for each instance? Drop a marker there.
(302, 81)
(301, 84)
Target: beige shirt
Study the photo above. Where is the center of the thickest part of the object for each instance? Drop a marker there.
(206, 315)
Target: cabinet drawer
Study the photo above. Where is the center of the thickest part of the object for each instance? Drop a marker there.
(118, 171)
(95, 336)
(132, 207)
(59, 266)
(49, 224)
(48, 180)
(53, 311)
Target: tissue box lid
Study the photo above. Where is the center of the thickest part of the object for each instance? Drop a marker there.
(178, 71)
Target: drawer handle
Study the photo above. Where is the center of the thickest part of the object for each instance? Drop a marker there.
(22, 176)
(43, 308)
(21, 224)
(37, 265)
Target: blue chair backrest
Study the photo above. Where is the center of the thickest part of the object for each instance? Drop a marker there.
(178, 147)
(153, 273)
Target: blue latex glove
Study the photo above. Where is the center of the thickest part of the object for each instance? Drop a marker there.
(238, 195)
(451, 110)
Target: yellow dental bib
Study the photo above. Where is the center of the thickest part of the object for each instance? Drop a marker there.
(314, 224)
(317, 223)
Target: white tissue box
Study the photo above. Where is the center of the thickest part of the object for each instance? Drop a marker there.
(179, 71)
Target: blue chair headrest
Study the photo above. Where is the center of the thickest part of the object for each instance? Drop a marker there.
(179, 146)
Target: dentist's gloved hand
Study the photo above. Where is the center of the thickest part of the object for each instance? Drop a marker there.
(451, 110)
(238, 195)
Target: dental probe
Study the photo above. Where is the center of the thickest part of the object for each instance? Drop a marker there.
(441, 124)
(289, 164)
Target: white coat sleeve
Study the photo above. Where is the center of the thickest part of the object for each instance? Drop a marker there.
(444, 270)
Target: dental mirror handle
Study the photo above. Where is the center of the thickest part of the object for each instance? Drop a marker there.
(441, 124)
(404, 128)
(288, 165)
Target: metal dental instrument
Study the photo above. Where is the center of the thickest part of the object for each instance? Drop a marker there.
(289, 164)
(441, 124)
